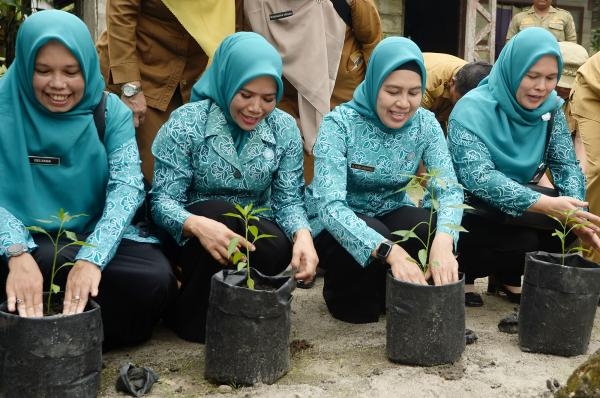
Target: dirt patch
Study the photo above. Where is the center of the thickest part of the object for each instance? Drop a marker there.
(335, 359)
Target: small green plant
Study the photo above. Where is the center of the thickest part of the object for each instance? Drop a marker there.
(419, 187)
(567, 224)
(63, 218)
(242, 260)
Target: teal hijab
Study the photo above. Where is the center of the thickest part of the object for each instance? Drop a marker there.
(239, 59)
(76, 181)
(389, 55)
(514, 136)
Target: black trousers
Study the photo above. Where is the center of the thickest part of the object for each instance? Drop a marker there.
(136, 287)
(354, 293)
(272, 256)
(492, 248)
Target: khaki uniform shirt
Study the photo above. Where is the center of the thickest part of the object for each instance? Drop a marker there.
(359, 43)
(585, 94)
(144, 41)
(559, 22)
(440, 68)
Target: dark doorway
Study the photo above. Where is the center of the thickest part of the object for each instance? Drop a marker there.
(434, 25)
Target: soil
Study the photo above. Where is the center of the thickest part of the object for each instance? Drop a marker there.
(331, 358)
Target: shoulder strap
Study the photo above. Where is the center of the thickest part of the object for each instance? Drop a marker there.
(100, 116)
(549, 131)
(343, 10)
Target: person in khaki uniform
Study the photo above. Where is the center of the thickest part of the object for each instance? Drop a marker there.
(325, 48)
(585, 108)
(152, 59)
(557, 21)
(448, 79)
(360, 39)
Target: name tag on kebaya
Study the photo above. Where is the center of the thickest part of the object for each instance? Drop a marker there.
(44, 160)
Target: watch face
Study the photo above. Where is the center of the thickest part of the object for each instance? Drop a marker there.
(384, 249)
(129, 90)
(16, 249)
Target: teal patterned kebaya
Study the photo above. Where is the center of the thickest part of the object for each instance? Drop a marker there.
(99, 178)
(196, 160)
(359, 168)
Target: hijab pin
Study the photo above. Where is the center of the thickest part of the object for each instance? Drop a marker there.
(546, 116)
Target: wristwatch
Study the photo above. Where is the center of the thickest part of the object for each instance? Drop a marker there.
(129, 90)
(16, 249)
(384, 250)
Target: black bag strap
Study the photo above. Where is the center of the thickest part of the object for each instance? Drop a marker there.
(343, 10)
(100, 116)
(544, 164)
(549, 132)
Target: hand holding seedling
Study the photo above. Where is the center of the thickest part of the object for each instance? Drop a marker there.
(214, 236)
(570, 210)
(304, 256)
(444, 267)
(404, 268)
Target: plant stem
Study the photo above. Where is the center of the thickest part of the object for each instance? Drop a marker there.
(246, 222)
(54, 258)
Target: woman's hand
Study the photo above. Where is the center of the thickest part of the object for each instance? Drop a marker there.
(404, 268)
(589, 226)
(24, 286)
(443, 266)
(557, 206)
(304, 256)
(82, 282)
(214, 236)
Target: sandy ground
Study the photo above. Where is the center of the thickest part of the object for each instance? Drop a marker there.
(346, 360)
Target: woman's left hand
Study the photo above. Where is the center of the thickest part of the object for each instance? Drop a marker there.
(443, 266)
(82, 282)
(304, 256)
(588, 231)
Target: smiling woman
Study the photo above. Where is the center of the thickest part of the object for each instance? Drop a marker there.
(57, 160)
(366, 152)
(231, 146)
(502, 138)
(57, 78)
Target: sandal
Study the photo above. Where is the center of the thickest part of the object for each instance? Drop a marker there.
(510, 323)
(300, 284)
(470, 336)
(473, 299)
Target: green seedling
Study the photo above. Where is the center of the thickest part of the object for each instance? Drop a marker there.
(568, 222)
(242, 260)
(418, 188)
(63, 218)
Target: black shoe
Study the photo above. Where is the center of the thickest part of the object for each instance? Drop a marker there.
(305, 285)
(514, 298)
(470, 336)
(473, 299)
(493, 285)
(510, 323)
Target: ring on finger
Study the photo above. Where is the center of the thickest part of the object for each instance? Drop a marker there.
(76, 298)
(19, 301)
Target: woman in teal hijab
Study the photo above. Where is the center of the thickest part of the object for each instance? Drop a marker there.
(52, 159)
(229, 146)
(366, 152)
(499, 141)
